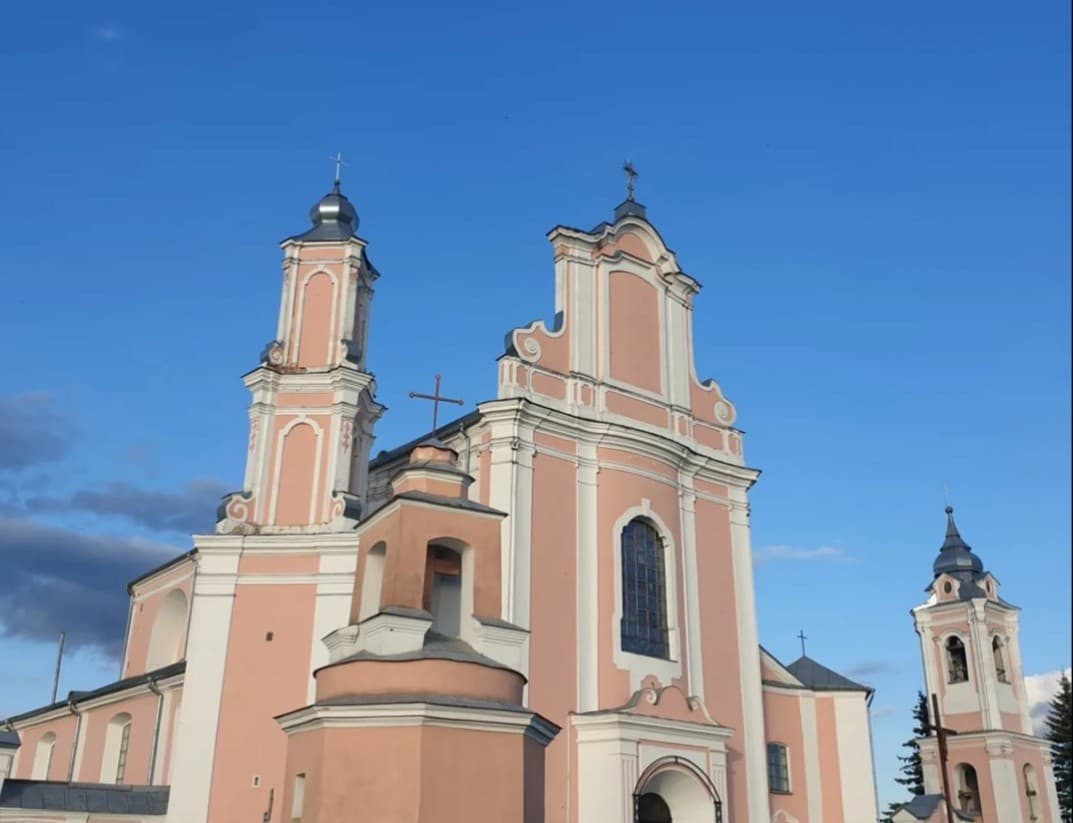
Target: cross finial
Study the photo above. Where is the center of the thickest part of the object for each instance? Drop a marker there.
(436, 399)
(631, 175)
(946, 493)
(802, 637)
(338, 159)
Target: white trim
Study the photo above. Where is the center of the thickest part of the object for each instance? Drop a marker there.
(813, 781)
(854, 756)
(640, 666)
(690, 575)
(588, 580)
(419, 713)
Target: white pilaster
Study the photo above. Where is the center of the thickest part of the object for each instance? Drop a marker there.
(1007, 788)
(588, 612)
(813, 787)
(691, 595)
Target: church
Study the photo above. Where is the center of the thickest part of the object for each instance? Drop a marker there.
(542, 611)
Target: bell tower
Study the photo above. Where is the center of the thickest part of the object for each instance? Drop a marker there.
(997, 770)
(312, 411)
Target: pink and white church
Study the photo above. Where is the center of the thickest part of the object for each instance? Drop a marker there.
(541, 612)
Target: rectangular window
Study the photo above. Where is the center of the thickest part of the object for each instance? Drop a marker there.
(778, 770)
(299, 797)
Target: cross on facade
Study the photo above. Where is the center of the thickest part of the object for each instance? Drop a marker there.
(631, 175)
(941, 734)
(338, 159)
(436, 399)
(802, 637)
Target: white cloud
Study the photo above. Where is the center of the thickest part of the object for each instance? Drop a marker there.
(108, 34)
(882, 711)
(1040, 689)
(768, 554)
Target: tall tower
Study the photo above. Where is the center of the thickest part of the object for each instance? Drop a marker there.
(278, 573)
(997, 770)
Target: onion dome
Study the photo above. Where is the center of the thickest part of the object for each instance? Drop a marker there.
(955, 555)
(334, 218)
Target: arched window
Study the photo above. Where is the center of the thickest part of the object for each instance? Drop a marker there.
(116, 743)
(43, 756)
(968, 789)
(644, 591)
(957, 668)
(1031, 792)
(1000, 660)
(443, 589)
(166, 639)
(778, 768)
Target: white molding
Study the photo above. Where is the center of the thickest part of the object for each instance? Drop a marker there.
(419, 713)
(857, 779)
(385, 633)
(810, 736)
(588, 578)
(691, 595)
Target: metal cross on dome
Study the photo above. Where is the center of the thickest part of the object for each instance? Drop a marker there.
(631, 175)
(338, 160)
(436, 399)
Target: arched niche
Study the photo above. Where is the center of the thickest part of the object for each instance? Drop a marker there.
(687, 794)
(169, 626)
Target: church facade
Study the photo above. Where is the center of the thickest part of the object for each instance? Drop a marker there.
(542, 611)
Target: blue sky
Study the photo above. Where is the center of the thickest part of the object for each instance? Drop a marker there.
(875, 199)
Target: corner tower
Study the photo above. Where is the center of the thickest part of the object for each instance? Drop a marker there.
(312, 411)
(997, 769)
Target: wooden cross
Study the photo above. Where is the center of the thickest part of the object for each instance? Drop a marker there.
(436, 399)
(338, 166)
(941, 734)
(802, 637)
(631, 175)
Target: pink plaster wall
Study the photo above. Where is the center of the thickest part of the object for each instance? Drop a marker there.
(144, 611)
(171, 724)
(636, 347)
(142, 710)
(782, 724)
(830, 778)
(642, 410)
(296, 476)
(262, 679)
(64, 729)
(553, 641)
(314, 348)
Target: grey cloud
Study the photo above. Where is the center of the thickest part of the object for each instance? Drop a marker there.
(188, 510)
(868, 668)
(32, 432)
(58, 580)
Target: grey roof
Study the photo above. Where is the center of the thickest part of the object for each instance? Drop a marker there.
(629, 208)
(955, 555)
(9, 740)
(446, 430)
(450, 502)
(116, 686)
(165, 565)
(334, 218)
(923, 806)
(84, 797)
(820, 678)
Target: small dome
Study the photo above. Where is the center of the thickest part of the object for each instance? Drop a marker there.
(955, 555)
(334, 218)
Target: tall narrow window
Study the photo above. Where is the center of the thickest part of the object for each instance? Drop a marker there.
(443, 589)
(644, 591)
(1031, 792)
(1000, 660)
(957, 668)
(43, 756)
(778, 768)
(968, 789)
(299, 797)
(121, 761)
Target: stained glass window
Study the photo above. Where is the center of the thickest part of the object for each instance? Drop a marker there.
(644, 591)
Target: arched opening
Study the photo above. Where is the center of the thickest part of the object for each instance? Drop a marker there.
(317, 321)
(957, 667)
(968, 789)
(1031, 792)
(651, 808)
(673, 790)
(43, 756)
(166, 638)
(644, 590)
(372, 581)
(298, 463)
(443, 593)
(1000, 660)
(116, 743)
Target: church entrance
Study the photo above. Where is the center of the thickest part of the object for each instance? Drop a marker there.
(651, 808)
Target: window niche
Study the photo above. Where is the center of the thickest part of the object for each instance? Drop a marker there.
(778, 768)
(999, 653)
(443, 589)
(957, 665)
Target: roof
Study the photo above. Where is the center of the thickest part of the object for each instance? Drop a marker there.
(9, 740)
(820, 678)
(436, 647)
(446, 430)
(117, 686)
(923, 806)
(156, 570)
(84, 797)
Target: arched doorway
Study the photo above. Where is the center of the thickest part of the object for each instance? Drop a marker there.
(674, 790)
(651, 808)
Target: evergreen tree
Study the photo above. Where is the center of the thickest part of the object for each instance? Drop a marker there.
(1060, 733)
(912, 769)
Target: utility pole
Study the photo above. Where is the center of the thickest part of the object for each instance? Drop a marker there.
(941, 734)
